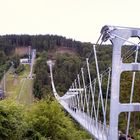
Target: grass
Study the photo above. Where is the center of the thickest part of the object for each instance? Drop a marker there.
(25, 73)
(25, 96)
(19, 87)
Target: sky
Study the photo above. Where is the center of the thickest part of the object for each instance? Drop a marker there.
(77, 19)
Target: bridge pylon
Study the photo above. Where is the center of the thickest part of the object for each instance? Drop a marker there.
(118, 36)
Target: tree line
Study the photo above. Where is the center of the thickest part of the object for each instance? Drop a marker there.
(8, 43)
(4, 63)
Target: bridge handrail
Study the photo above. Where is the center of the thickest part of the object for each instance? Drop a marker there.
(80, 116)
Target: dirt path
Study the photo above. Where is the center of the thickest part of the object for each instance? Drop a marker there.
(21, 90)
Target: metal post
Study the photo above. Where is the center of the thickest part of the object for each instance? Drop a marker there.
(115, 91)
(4, 86)
(81, 94)
(77, 96)
(85, 90)
(100, 84)
(91, 88)
(132, 93)
(107, 92)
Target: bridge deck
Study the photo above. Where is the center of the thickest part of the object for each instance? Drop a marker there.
(96, 130)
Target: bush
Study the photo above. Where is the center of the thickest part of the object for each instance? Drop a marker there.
(20, 69)
(47, 120)
(11, 121)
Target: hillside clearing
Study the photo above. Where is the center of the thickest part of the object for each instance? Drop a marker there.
(19, 87)
(60, 50)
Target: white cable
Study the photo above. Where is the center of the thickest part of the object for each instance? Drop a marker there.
(99, 82)
(81, 97)
(94, 88)
(98, 104)
(91, 89)
(107, 92)
(112, 34)
(85, 93)
(132, 93)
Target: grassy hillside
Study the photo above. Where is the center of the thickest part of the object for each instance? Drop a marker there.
(19, 87)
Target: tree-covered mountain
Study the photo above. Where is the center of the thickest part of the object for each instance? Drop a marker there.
(67, 66)
(8, 43)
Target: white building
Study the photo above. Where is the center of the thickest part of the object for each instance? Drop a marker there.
(24, 61)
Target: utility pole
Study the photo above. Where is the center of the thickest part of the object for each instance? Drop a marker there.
(29, 54)
(4, 82)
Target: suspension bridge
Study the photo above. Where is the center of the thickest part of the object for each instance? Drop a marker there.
(94, 102)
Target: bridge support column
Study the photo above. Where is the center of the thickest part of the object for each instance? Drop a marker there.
(115, 90)
(118, 36)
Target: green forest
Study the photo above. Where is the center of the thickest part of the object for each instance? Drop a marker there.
(45, 119)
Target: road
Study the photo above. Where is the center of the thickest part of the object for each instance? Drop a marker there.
(32, 62)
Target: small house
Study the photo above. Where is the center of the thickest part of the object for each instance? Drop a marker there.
(24, 61)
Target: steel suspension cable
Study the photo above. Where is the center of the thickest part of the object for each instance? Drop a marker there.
(92, 107)
(131, 49)
(132, 93)
(99, 82)
(81, 95)
(129, 55)
(89, 56)
(91, 89)
(107, 92)
(85, 91)
(77, 95)
(99, 96)
(112, 34)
